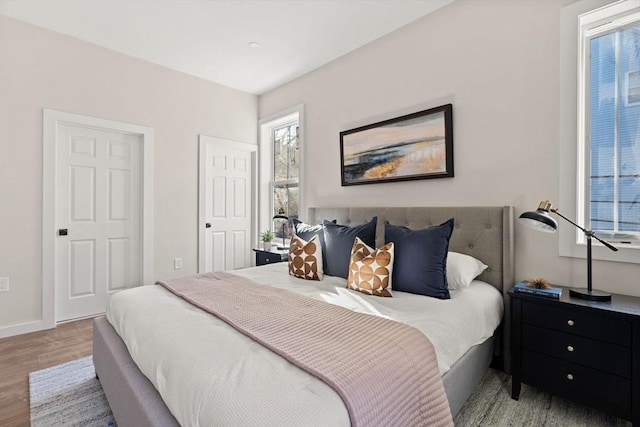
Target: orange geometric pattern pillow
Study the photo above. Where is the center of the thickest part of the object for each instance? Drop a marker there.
(305, 258)
(370, 269)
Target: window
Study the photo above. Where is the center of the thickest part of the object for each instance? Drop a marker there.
(632, 89)
(609, 122)
(280, 171)
(286, 161)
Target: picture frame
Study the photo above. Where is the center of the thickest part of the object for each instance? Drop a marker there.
(410, 147)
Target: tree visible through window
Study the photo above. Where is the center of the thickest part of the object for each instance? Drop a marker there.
(286, 165)
(612, 129)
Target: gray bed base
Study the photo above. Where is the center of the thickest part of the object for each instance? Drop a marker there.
(134, 401)
(483, 232)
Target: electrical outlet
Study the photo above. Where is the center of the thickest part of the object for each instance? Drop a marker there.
(4, 284)
(177, 263)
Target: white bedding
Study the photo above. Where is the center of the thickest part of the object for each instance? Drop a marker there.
(209, 374)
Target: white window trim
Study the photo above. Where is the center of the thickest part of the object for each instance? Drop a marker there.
(265, 168)
(571, 201)
(627, 88)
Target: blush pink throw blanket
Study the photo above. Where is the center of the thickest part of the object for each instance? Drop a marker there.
(386, 372)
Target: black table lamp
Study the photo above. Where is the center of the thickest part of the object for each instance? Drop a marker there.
(542, 221)
(284, 223)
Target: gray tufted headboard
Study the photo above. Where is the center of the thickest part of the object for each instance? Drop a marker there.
(485, 233)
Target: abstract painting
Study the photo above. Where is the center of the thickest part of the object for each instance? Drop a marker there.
(414, 146)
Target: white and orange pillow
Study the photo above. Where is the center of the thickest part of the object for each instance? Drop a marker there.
(370, 269)
(305, 258)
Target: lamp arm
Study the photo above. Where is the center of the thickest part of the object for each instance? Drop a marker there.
(555, 211)
(588, 233)
(609, 245)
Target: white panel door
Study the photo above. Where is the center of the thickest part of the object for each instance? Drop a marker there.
(98, 245)
(226, 208)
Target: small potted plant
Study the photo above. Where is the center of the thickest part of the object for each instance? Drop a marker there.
(266, 237)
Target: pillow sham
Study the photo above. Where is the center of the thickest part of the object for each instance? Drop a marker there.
(462, 269)
(338, 241)
(307, 231)
(420, 259)
(370, 269)
(305, 258)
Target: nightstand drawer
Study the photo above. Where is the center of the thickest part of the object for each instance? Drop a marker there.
(591, 325)
(578, 380)
(600, 355)
(263, 258)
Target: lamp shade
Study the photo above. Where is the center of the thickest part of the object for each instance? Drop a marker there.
(540, 220)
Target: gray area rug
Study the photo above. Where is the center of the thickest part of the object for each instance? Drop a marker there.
(68, 395)
(490, 404)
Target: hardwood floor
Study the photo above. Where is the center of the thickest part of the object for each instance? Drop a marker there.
(26, 353)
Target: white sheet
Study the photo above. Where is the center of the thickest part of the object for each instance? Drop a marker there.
(209, 374)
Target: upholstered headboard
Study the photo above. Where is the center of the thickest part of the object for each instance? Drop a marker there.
(485, 233)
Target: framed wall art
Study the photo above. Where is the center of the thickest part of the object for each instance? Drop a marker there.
(414, 146)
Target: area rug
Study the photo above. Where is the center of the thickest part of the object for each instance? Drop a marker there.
(68, 395)
(490, 404)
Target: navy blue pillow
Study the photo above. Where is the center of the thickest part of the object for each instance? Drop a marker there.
(420, 259)
(338, 240)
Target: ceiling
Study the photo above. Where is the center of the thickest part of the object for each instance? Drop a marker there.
(211, 38)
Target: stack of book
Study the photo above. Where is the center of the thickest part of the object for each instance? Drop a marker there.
(523, 288)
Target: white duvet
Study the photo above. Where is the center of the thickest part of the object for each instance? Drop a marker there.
(209, 374)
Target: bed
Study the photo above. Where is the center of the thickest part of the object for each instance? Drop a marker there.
(483, 232)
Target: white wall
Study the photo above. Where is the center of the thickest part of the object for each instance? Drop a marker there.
(43, 69)
(498, 63)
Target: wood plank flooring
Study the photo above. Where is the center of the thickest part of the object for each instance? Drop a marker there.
(26, 353)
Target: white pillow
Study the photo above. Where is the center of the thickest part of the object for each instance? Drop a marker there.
(462, 269)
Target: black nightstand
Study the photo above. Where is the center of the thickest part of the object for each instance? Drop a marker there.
(587, 351)
(270, 257)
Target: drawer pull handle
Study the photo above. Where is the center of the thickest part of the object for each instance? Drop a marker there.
(570, 348)
(570, 322)
(570, 377)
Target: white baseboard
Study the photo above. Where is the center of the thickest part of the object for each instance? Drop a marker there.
(24, 328)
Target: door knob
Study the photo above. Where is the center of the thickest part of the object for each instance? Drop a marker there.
(63, 232)
(208, 225)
